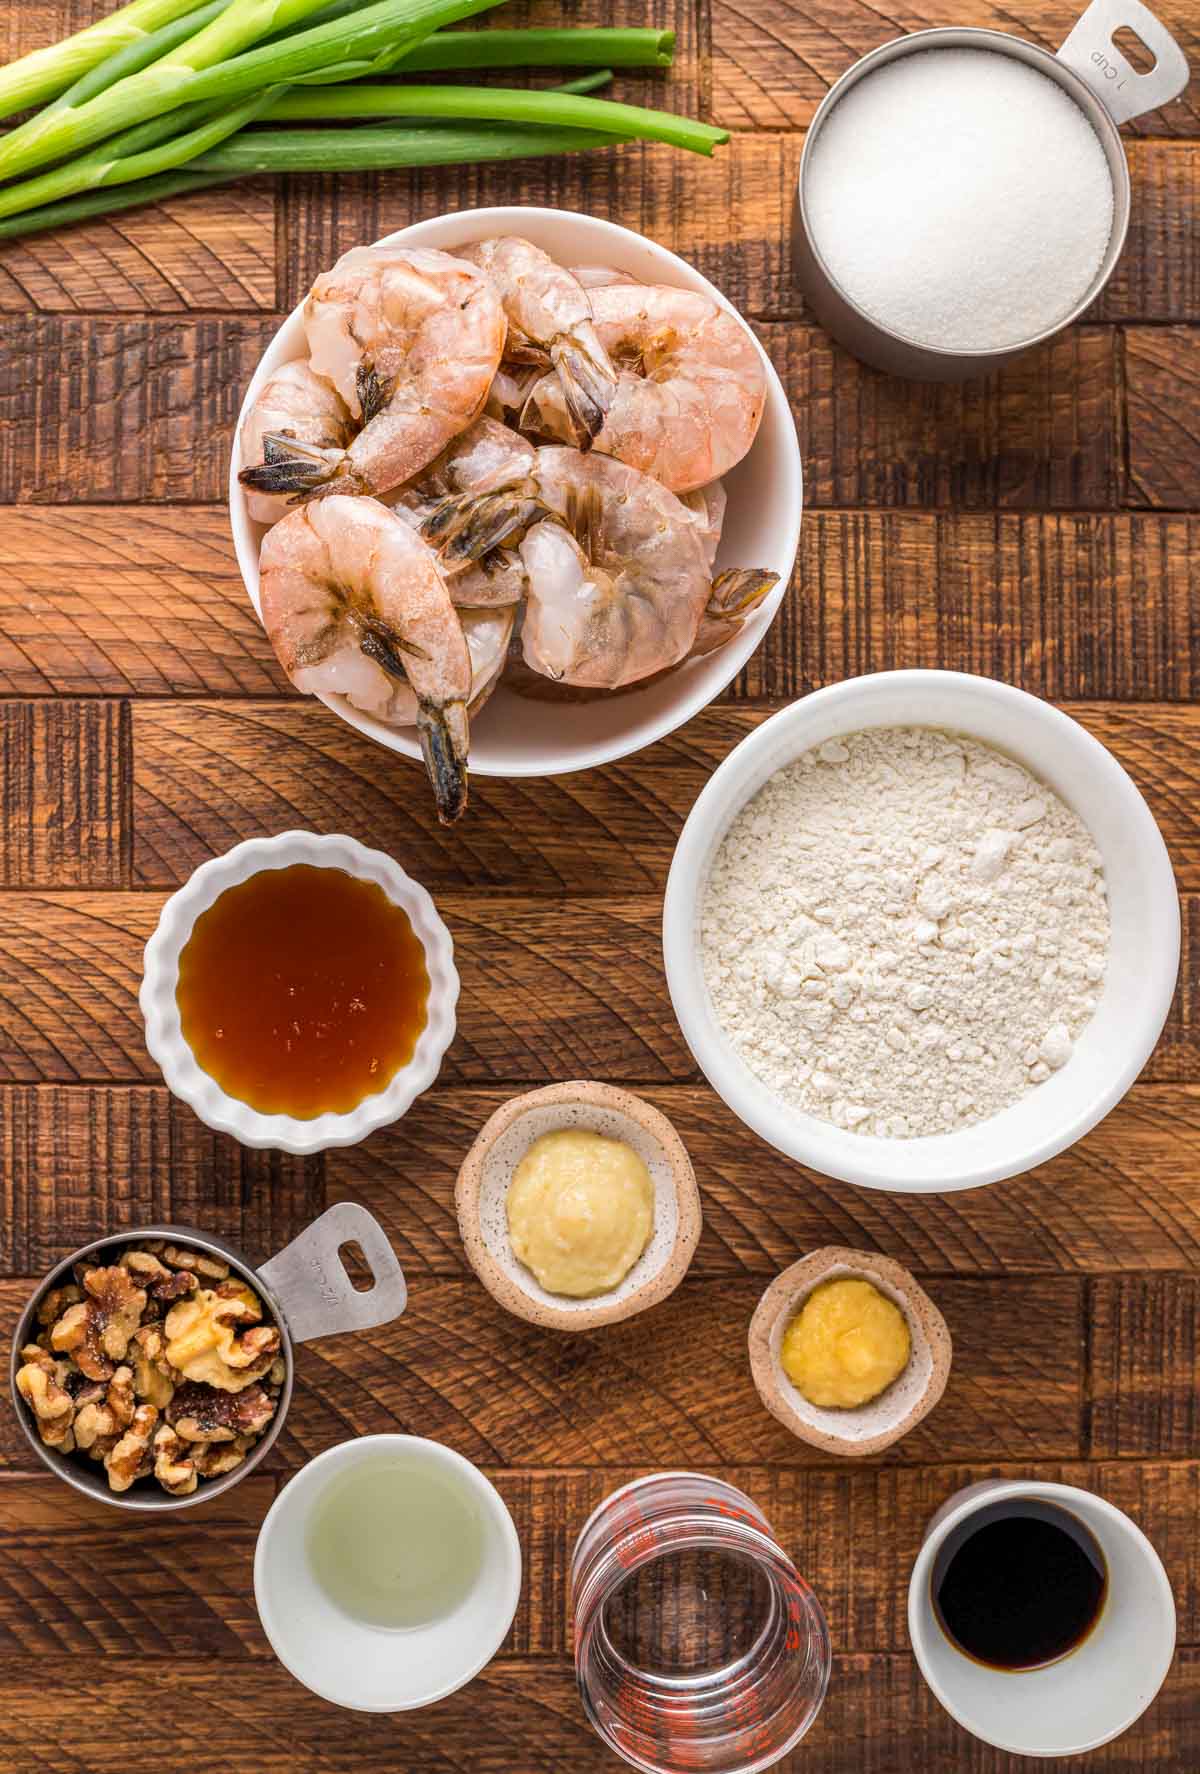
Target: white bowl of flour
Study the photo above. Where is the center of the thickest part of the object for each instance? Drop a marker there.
(921, 931)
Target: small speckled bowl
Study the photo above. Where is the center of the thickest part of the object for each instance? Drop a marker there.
(482, 1190)
(867, 1428)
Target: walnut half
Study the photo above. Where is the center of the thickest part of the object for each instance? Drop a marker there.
(96, 1331)
(39, 1383)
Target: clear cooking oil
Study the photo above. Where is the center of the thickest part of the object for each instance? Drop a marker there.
(396, 1544)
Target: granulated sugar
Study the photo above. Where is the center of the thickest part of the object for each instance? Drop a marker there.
(961, 198)
(904, 931)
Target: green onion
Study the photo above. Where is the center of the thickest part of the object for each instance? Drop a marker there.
(587, 82)
(379, 30)
(108, 201)
(581, 47)
(141, 152)
(137, 55)
(497, 104)
(45, 72)
(370, 150)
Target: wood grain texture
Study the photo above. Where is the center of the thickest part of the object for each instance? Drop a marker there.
(521, 1716)
(121, 409)
(79, 1160)
(683, 1395)
(551, 989)
(64, 794)
(730, 216)
(573, 984)
(1066, 606)
(1146, 1365)
(78, 1163)
(854, 1533)
(1162, 380)
(1043, 432)
(148, 602)
(126, 410)
(774, 61)
(1126, 1197)
(212, 250)
(71, 1587)
(206, 775)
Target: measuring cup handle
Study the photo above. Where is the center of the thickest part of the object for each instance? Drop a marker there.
(309, 1279)
(1091, 53)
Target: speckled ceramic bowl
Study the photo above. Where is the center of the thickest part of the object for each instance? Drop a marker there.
(867, 1428)
(482, 1190)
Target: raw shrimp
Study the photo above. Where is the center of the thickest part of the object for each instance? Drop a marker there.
(453, 504)
(708, 507)
(618, 577)
(550, 315)
(487, 634)
(355, 603)
(411, 339)
(295, 403)
(691, 389)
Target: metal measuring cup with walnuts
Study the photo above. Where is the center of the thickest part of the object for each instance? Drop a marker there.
(154, 1369)
(160, 1365)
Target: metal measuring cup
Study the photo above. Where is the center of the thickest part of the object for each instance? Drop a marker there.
(1091, 70)
(305, 1290)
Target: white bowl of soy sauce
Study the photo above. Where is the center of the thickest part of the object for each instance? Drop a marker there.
(1041, 1616)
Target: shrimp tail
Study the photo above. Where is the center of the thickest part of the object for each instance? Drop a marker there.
(470, 527)
(373, 391)
(735, 593)
(731, 598)
(587, 385)
(290, 466)
(443, 733)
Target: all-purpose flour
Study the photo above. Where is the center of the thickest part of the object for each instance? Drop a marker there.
(904, 931)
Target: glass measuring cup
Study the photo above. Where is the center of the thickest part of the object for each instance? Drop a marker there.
(699, 1649)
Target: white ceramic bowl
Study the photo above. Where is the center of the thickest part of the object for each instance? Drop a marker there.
(1143, 957)
(1088, 1697)
(352, 1661)
(514, 736)
(164, 1032)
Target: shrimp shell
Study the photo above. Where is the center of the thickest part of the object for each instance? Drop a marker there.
(411, 339)
(296, 404)
(549, 314)
(691, 388)
(355, 603)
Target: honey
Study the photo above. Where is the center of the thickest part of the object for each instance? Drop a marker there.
(302, 991)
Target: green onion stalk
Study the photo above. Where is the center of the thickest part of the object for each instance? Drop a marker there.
(147, 149)
(371, 150)
(57, 132)
(497, 104)
(343, 48)
(44, 73)
(138, 54)
(314, 150)
(575, 47)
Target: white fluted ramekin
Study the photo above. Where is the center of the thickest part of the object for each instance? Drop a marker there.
(164, 1029)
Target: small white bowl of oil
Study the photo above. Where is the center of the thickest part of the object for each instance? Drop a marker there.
(387, 1573)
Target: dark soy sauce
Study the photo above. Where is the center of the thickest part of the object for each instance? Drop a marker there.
(1019, 1585)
